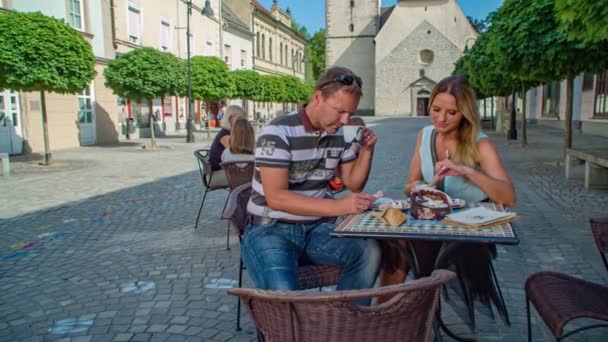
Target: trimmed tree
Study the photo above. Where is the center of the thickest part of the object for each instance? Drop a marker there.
(144, 75)
(583, 19)
(247, 84)
(535, 48)
(40, 53)
(211, 81)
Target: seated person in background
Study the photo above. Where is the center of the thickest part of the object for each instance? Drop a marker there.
(222, 139)
(242, 142)
(295, 157)
(460, 160)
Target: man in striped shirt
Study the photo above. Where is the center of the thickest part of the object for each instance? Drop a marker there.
(296, 155)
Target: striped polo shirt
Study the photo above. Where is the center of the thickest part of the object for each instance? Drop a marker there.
(312, 157)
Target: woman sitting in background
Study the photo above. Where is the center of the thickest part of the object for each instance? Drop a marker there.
(222, 139)
(242, 142)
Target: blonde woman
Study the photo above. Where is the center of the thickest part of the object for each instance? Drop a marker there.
(460, 160)
(222, 139)
(242, 142)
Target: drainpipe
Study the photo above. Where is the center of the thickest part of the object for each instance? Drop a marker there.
(113, 23)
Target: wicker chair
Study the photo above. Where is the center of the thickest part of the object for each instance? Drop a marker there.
(212, 180)
(599, 228)
(332, 316)
(237, 173)
(310, 276)
(560, 298)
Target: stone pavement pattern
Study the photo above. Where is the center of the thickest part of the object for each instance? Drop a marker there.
(101, 246)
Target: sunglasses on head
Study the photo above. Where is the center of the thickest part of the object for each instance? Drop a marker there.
(344, 79)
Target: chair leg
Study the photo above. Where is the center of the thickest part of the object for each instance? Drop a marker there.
(604, 258)
(503, 308)
(528, 317)
(228, 227)
(200, 209)
(238, 299)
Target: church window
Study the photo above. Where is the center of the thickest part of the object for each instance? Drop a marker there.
(351, 27)
(426, 56)
(352, 3)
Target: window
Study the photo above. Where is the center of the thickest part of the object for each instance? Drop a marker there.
(551, 99)
(257, 44)
(293, 59)
(270, 48)
(243, 59)
(426, 56)
(281, 53)
(165, 35)
(286, 56)
(75, 15)
(601, 96)
(85, 106)
(263, 46)
(209, 49)
(351, 27)
(134, 23)
(228, 55)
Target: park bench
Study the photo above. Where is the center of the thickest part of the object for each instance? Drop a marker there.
(596, 165)
(6, 164)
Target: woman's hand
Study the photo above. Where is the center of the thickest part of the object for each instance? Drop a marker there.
(410, 187)
(447, 167)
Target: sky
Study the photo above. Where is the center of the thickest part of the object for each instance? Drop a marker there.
(311, 13)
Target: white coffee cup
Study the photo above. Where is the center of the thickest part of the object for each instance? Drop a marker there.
(352, 133)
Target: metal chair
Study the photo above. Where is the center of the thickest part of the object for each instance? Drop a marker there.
(237, 173)
(212, 180)
(310, 276)
(332, 316)
(599, 228)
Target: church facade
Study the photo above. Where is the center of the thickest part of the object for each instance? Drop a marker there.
(400, 51)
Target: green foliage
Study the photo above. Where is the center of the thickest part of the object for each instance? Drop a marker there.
(296, 91)
(534, 48)
(316, 55)
(144, 74)
(40, 53)
(247, 84)
(211, 80)
(273, 89)
(583, 19)
(478, 24)
(300, 29)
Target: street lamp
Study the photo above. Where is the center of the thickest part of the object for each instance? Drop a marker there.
(208, 11)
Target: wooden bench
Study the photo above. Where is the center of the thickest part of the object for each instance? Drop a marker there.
(596, 165)
(6, 164)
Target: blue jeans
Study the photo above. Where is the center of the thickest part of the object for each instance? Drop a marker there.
(271, 253)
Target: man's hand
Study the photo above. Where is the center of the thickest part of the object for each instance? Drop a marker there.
(355, 203)
(368, 138)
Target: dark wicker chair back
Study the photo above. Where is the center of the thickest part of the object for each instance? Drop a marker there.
(309, 276)
(332, 316)
(238, 172)
(599, 228)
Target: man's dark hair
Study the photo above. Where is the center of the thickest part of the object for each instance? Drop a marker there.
(339, 78)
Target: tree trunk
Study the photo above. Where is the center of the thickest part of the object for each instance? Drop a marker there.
(524, 136)
(45, 130)
(151, 121)
(492, 112)
(568, 114)
(485, 109)
(208, 119)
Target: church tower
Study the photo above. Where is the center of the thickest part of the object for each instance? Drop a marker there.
(351, 27)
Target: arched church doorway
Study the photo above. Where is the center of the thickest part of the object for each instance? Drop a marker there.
(422, 102)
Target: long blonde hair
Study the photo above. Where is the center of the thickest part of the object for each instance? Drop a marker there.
(458, 86)
(242, 137)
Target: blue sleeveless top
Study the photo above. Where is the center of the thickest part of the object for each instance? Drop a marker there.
(455, 186)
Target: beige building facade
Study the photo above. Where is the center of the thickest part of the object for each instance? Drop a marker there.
(399, 51)
(546, 104)
(277, 49)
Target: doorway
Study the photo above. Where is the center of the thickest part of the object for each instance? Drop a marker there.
(422, 102)
(86, 117)
(11, 134)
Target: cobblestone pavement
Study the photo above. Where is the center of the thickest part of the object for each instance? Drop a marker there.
(101, 245)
